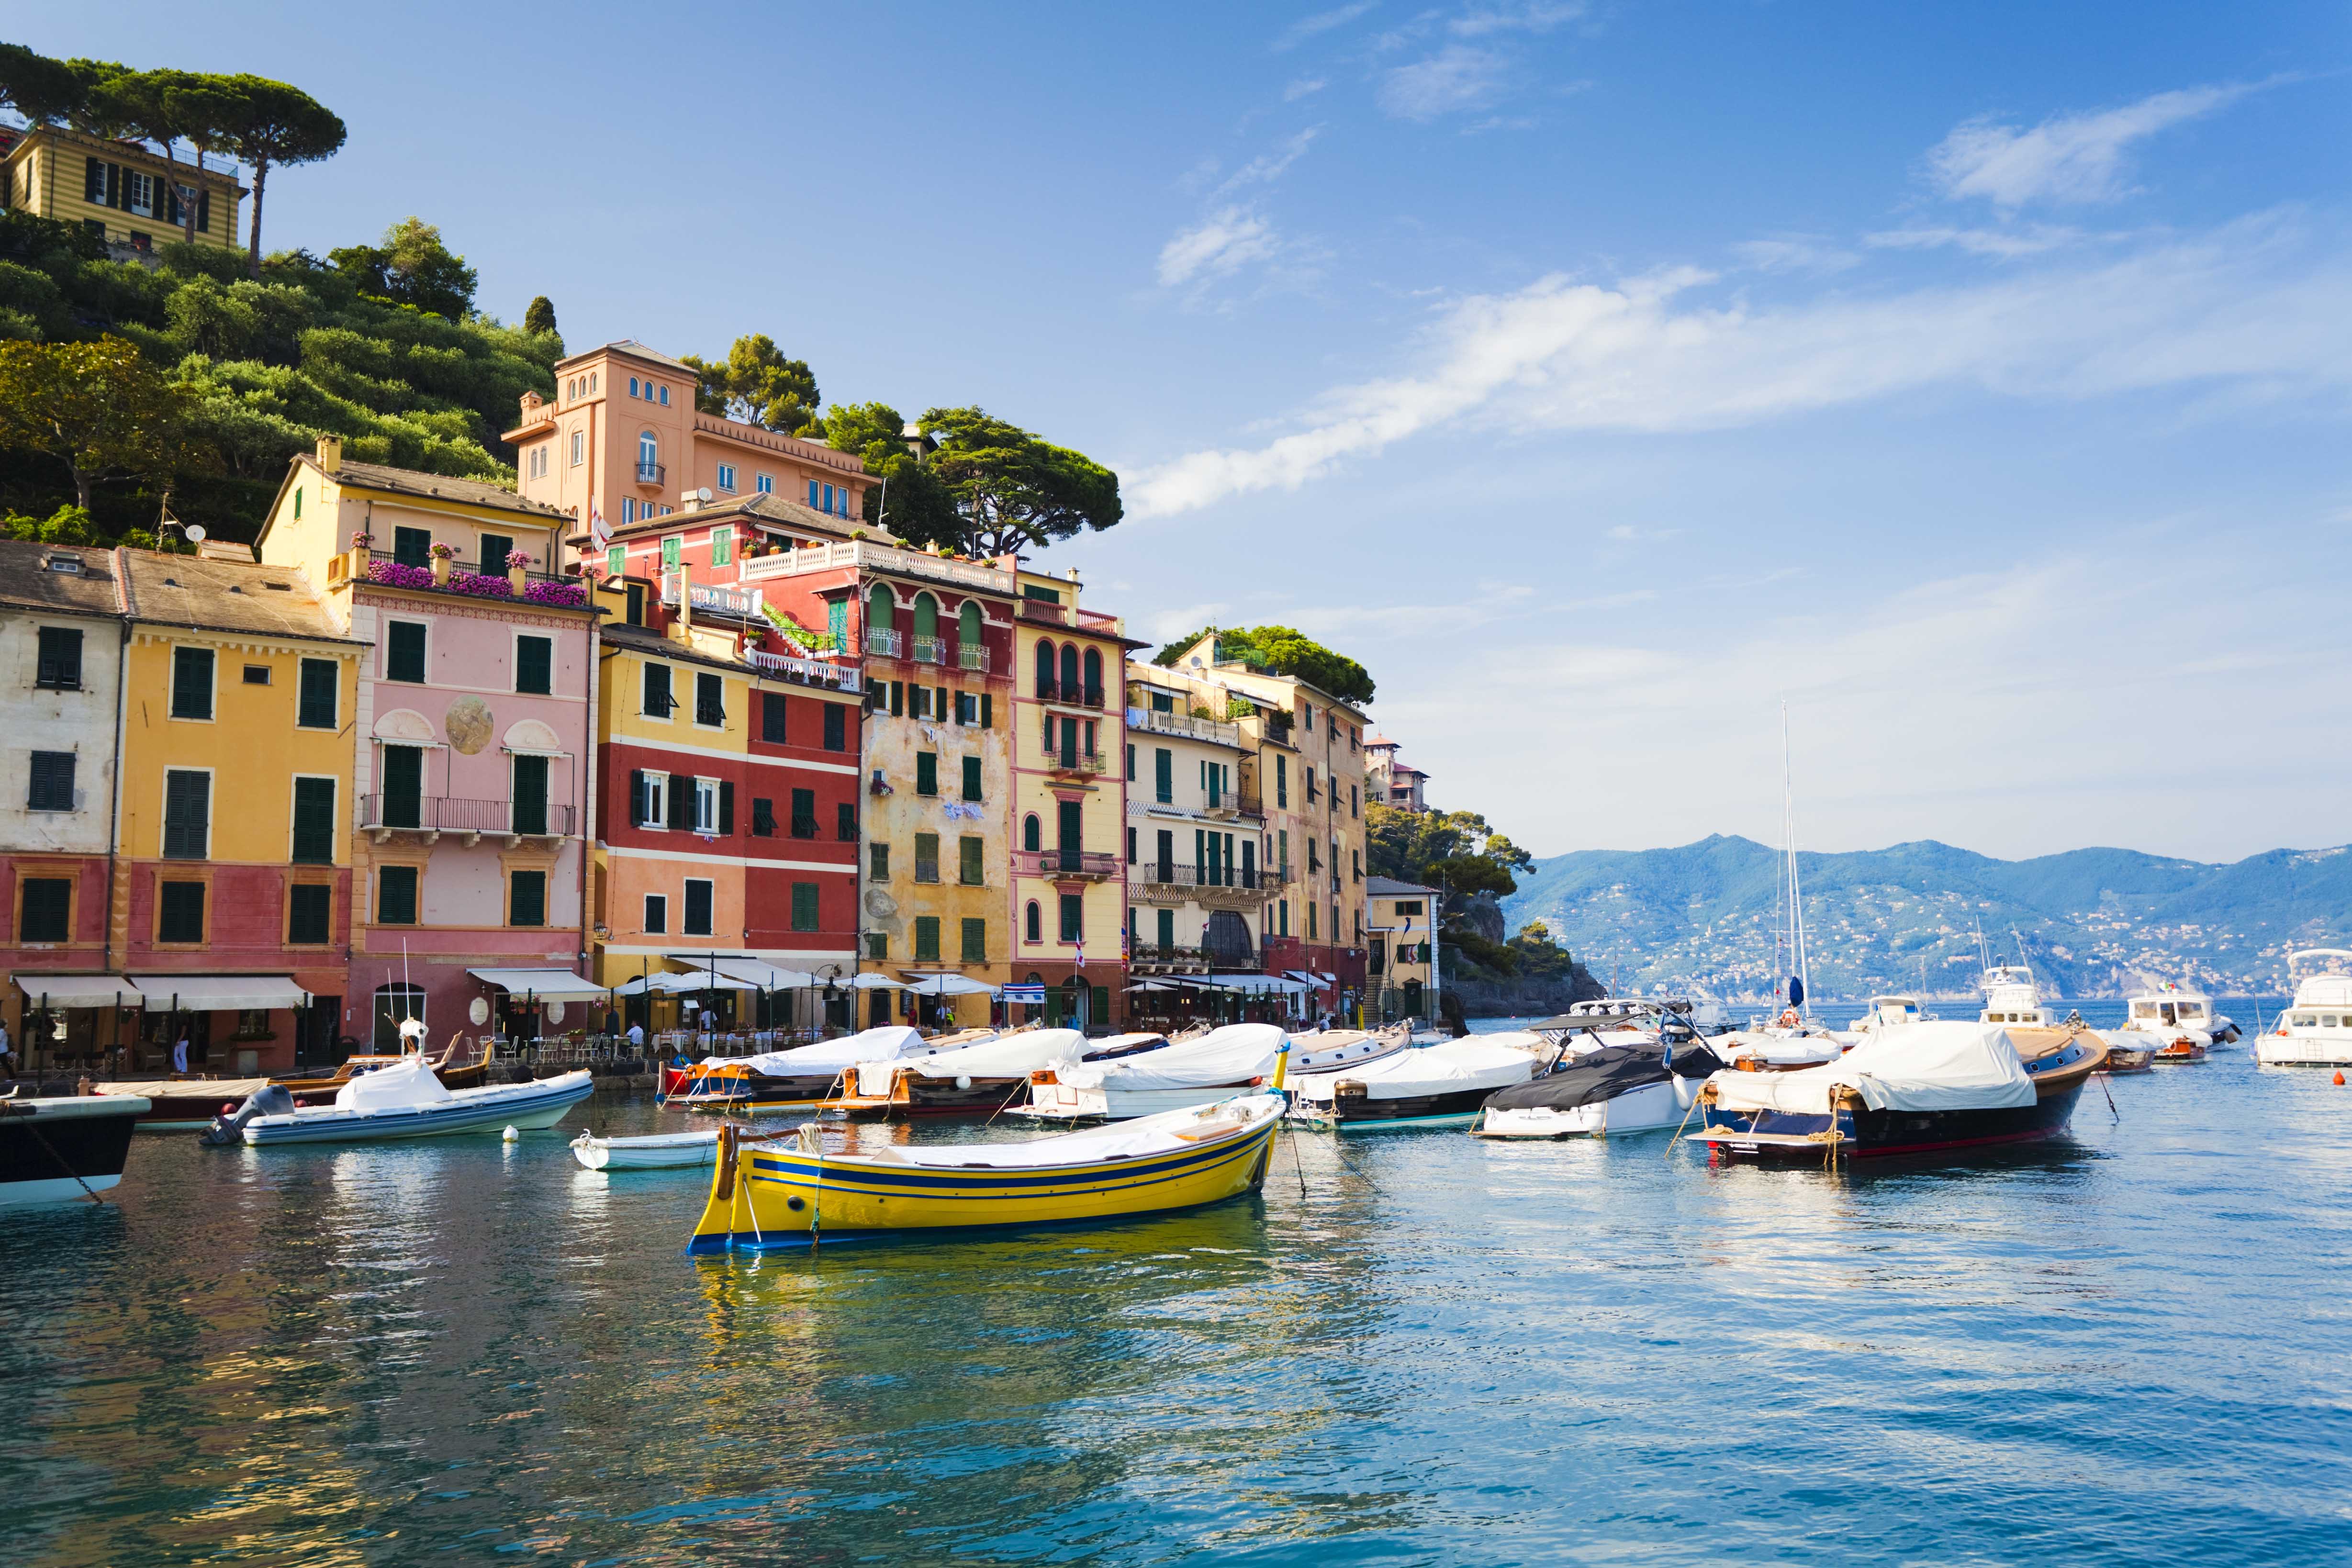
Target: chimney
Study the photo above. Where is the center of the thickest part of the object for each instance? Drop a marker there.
(330, 454)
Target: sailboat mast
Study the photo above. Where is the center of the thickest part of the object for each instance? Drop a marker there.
(1796, 891)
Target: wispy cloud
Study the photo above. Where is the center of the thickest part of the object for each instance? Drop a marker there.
(2254, 305)
(1322, 22)
(1221, 244)
(1535, 16)
(2003, 244)
(1271, 166)
(1457, 76)
(1795, 253)
(1303, 87)
(2068, 158)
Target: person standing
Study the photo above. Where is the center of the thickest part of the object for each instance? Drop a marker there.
(7, 1049)
(180, 1051)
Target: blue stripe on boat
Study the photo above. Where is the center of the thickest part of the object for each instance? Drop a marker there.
(919, 1177)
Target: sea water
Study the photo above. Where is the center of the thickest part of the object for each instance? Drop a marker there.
(1412, 1347)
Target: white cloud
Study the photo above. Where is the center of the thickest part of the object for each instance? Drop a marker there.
(2005, 244)
(1220, 245)
(1307, 27)
(1302, 87)
(2253, 305)
(2068, 158)
(1534, 16)
(1795, 253)
(1457, 76)
(1265, 170)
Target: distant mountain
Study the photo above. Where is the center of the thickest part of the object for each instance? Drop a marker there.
(1703, 917)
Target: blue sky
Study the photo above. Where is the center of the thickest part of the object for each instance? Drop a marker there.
(1975, 377)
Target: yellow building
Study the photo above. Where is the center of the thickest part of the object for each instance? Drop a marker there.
(1400, 925)
(118, 191)
(232, 897)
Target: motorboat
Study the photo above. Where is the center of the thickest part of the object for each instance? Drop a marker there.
(1929, 1088)
(1780, 1047)
(1590, 1027)
(655, 1151)
(2315, 1031)
(2013, 997)
(800, 1079)
(2130, 1051)
(62, 1148)
(182, 1104)
(979, 1079)
(455, 1067)
(404, 1100)
(2172, 1024)
(1187, 1073)
(787, 1189)
(1889, 1012)
(1438, 1086)
(1618, 1090)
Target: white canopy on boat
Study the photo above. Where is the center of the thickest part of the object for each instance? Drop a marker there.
(1450, 1066)
(221, 992)
(1948, 1066)
(547, 985)
(1234, 1054)
(887, 1043)
(405, 1084)
(79, 990)
(1009, 1056)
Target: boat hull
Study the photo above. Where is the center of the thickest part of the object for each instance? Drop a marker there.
(2322, 1050)
(674, 1151)
(783, 1197)
(1652, 1107)
(1360, 1113)
(1068, 1102)
(528, 1107)
(57, 1153)
(1874, 1134)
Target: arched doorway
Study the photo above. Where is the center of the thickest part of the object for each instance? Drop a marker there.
(394, 1004)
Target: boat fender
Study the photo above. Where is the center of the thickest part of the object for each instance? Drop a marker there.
(964, 1081)
(1789, 1019)
(511, 1136)
(269, 1099)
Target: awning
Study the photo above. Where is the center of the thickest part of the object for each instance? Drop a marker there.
(663, 985)
(948, 985)
(876, 983)
(547, 985)
(761, 976)
(1258, 982)
(221, 992)
(79, 990)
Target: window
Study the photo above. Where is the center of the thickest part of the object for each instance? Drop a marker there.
(971, 871)
(1355, 865)
(631, 510)
(927, 938)
(877, 945)
(496, 547)
(926, 856)
(404, 651)
(402, 803)
(673, 550)
(632, 387)
(617, 560)
(1282, 908)
(47, 911)
(396, 895)
(766, 483)
(648, 791)
(698, 908)
(528, 784)
(975, 941)
(971, 778)
(314, 821)
(813, 494)
(836, 727)
(139, 193)
(648, 456)
(878, 862)
(535, 664)
(706, 806)
(844, 822)
(579, 447)
(926, 773)
(1310, 922)
(187, 814)
(1032, 927)
(318, 701)
(722, 540)
(804, 906)
(1074, 919)
(1407, 907)
(1031, 837)
(727, 483)
(804, 813)
(657, 914)
(709, 691)
(1163, 774)
(763, 817)
(1130, 762)
(179, 911)
(527, 903)
(309, 914)
(772, 718)
(192, 683)
(664, 396)
(1130, 846)
(655, 701)
(634, 611)
(412, 546)
(59, 665)
(53, 782)
(1352, 808)
(1310, 783)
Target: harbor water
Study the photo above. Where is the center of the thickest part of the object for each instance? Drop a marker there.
(1412, 1347)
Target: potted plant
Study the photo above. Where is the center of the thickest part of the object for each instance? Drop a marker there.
(443, 555)
(518, 564)
(355, 563)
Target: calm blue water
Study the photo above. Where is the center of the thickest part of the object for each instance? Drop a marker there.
(2129, 1348)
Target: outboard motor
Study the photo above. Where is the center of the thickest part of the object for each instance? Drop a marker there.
(269, 1099)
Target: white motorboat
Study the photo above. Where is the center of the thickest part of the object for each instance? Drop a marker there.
(407, 1101)
(2316, 1030)
(801, 1078)
(979, 1079)
(1643, 1088)
(60, 1149)
(2172, 1024)
(656, 1152)
(1199, 1071)
(1435, 1085)
(2013, 997)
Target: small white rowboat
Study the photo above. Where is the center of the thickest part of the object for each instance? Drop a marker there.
(660, 1151)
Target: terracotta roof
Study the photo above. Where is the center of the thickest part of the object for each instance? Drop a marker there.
(226, 596)
(769, 508)
(635, 350)
(29, 581)
(438, 487)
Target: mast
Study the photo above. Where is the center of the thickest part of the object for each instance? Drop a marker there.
(1796, 911)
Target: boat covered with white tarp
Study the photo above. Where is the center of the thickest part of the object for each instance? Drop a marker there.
(1192, 1072)
(1440, 1084)
(797, 1079)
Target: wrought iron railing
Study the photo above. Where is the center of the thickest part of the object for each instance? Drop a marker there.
(884, 643)
(449, 814)
(1065, 863)
(931, 650)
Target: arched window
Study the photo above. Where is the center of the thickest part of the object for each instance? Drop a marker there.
(927, 619)
(1031, 833)
(881, 609)
(1033, 922)
(1069, 672)
(968, 627)
(1094, 674)
(648, 455)
(1044, 667)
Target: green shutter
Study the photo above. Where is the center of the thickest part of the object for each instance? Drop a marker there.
(309, 914)
(187, 814)
(192, 683)
(927, 938)
(926, 773)
(530, 902)
(975, 941)
(804, 906)
(535, 664)
(974, 869)
(971, 778)
(396, 898)
(314, 821)
(320, 699)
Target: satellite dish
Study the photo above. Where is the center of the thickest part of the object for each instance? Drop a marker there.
(195, 532)
(703, 494)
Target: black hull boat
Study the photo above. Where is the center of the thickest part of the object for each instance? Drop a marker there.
(56, 1151)
(1444, 1085)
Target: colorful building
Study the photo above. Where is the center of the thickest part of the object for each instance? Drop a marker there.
(62, 633)
(120, 191)
(1068, 804)
(1402, 931)
(472, 756)
(232, 898)
(1391, 780)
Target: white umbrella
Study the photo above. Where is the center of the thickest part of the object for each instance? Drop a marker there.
(950, 986)
(876, 982)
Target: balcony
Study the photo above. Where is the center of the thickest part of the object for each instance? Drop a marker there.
(883, 643)
(1212, 730)
(1222, 887)
(651, 473)
(1067, 865)
(729, 603)
(865, 555)
(1074, 764)
(931, 650)
(1042, 610)
(972, 655)
(1152, 956)
(435, 815)
(808, 671)
(1226, 805)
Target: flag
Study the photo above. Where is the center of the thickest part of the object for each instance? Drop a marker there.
(597, 530)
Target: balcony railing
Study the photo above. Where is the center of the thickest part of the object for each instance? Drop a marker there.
(1075, 762)
(813, 671)
(1155, 952)
(1052, 690)
(1045, 610)
(1211, 729)
(651, 473)
(971, 656)
(881, 642)
(1183, 874)
(1088, 863)
(866, 555)
(448, 813)
(710, 600)
(1234, 803)
(931, 650)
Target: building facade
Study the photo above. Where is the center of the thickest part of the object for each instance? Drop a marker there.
(118, 191)
(1401, 962)
(472, 757)
(1391, 780)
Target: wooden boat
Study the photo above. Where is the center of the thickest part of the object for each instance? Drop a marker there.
(1434, 1086)
(455, 1071)
(1616, 1090)
(786, 1189)
(2130, 1051)
(406, 1100)
(60, 1149)
(181, 1104)
(658, 1152)
(1929, 1088)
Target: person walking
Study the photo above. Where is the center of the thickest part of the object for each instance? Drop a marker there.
(180, 1052)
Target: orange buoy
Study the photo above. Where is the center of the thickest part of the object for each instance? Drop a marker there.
(2339, 1077)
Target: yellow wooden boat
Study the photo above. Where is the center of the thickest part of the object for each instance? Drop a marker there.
(783, 1189)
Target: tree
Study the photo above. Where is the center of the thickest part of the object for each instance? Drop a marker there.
(99, 409)
(45, 91)
(270, 125)
(910, 501)
(539, 316)
(1014, 489)
(159, 106)
(410, 266)
(757, 384)
(207, 108)
(1281, 650)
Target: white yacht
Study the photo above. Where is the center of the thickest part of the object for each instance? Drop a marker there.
(2013, 997)
(2177, 1026)
(2316, 1031)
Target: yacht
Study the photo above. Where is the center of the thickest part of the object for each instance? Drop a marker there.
(2013, 997)
(2173, 1026)
(2316, 1030)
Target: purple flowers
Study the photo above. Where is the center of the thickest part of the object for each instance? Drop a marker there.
(564, 596)
(392, 575)
(479, 586)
